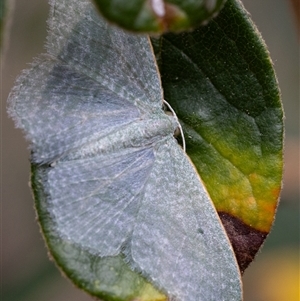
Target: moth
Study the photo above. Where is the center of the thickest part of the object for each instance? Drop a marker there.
(115, 181)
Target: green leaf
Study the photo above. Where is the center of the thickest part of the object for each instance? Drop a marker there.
(220, 81)
(158, 15)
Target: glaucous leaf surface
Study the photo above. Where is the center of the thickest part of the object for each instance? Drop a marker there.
(159, 15)
(220, 81)
(122, 208)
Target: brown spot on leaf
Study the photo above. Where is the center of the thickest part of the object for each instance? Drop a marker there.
(172, 12)
(244, 239)
(170, 17)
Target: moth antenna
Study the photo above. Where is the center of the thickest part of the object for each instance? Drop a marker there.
(179, 125)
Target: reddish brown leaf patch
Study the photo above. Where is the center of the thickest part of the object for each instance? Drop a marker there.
(244, 239)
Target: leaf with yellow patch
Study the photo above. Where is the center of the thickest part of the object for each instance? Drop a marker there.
(220, 81)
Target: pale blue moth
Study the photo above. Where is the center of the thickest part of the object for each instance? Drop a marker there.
(117, 180)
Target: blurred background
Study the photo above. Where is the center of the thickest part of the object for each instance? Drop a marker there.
(27, 273)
